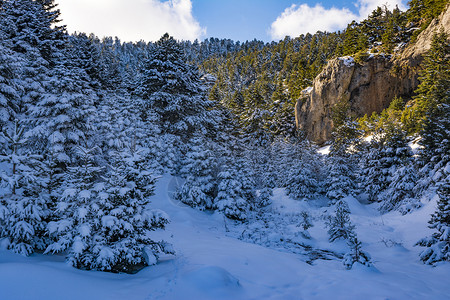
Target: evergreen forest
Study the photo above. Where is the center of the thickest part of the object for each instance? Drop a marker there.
(88, 127)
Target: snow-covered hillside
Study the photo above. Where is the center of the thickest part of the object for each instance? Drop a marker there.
(211, 263)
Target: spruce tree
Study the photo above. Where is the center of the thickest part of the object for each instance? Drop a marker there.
(434, 78)
(356, 254)
(23, 201)
(438, 245)
(199, 170)
(172, 89)
(340, 226)
(433, 103)
(341, 181)
(230, 198)
(10, 90)
(387, 152)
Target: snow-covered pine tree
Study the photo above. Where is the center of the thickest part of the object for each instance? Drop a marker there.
(388, 151)
(282, 161)
(263, 197)
(302, 182)
(372, 177)
(356, 254)
(435, 155)
(341, 181)
(246, 176)
(23, 203)
(438, 245)
(173, 89)
(230, 198)
(300, 169)
(255, 114)
(9, 89)
(104, 224)
(76, 205)
(84, 54)
(62, 117)
(340, 226)
(109, 61)
(400, 193)
(118, 125)
(120, 239)
(199, 170)
(21, 26)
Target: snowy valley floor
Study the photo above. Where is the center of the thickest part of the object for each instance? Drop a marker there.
(212, 264)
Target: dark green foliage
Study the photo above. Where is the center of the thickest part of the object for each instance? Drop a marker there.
(346, 135)
(386, 153)
(261, 83)
(421, 12)
(435, 77)
(433, 100)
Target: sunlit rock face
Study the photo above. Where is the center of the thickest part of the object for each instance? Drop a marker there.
(368, 85)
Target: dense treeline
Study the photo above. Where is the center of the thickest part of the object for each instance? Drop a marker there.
(260, 83)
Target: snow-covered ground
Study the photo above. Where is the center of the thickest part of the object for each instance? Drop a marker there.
(212, 264)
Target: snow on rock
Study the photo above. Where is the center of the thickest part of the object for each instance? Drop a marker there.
(307, 90)
(324, 150)
(348, 61)
(415, 146)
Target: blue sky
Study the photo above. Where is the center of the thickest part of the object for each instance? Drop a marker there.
(246, 19)
(267, 20)
(238, 19)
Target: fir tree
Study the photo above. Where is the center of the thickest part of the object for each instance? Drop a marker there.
(302, 182)
(356, 254)
(438, 245)
(434, 79)
(199, 189)
(388, 151)
(76, 205)
(341, 181)
(23, 204)
(105, 223)
(230, 198)
(400, 194)
(173, 90)
(433, 100)
(340, 226)
(10, 90)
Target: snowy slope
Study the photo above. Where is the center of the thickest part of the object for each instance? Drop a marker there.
(210, 264)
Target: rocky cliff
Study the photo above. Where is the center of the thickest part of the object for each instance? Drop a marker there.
(368, 86)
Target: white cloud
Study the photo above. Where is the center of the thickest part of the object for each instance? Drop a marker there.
(132, 20)
(301, 19)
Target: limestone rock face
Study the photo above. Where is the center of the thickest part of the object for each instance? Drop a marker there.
(368, 86)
